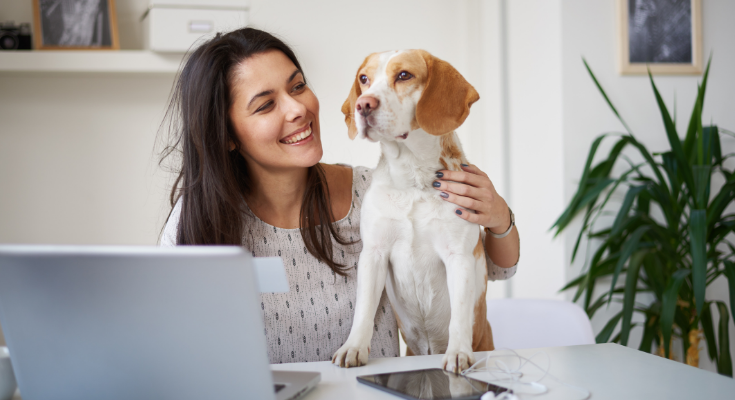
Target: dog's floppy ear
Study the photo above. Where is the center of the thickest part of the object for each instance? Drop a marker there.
(348, 107)
(446, 100)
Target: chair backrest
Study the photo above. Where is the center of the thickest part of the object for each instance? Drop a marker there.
(529, 323)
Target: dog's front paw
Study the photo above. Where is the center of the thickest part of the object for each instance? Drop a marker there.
(457, 361)
(351, 355)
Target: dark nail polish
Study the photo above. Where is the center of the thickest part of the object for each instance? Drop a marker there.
(459, 212)
(464, 165)
(444, 194)
(439, 174)
(437, 184)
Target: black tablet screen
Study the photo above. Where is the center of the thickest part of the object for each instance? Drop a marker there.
(433, 384)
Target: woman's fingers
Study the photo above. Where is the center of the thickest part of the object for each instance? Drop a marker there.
(474, 193)
(467, 215)
(473, 169)
(464, 190)
(467, 177)
(462, 201)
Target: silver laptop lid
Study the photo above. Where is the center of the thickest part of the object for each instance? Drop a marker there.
(133, 323)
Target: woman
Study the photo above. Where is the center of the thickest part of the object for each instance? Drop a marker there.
(246, 128)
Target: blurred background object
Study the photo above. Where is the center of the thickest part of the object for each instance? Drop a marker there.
(532, 323)
(663, 35)
(75, 25)
(8, 383)
(14, 37)
(177, 25)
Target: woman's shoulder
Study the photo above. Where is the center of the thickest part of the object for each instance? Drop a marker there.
(361, 179)
(361, 176)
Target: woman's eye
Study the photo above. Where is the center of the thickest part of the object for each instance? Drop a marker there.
(299, 86)
(404, 76)
(264, 106)
(363, 79)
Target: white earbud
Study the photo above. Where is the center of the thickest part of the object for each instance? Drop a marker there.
(501, 396)
(488, 396)
(541, 388)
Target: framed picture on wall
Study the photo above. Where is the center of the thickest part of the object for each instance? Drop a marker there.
(75, 25)
(663, 35)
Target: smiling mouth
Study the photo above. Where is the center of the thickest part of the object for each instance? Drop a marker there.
(297, 137)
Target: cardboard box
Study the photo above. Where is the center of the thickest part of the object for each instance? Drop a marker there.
(177, 26)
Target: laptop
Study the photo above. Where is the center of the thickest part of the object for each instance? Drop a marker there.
(138, 323)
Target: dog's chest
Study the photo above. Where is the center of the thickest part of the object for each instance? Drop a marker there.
(412, 225)
(407, 209)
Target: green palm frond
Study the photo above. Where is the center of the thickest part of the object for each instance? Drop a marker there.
(672, 255)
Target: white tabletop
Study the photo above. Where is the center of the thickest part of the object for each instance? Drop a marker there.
(608, 371)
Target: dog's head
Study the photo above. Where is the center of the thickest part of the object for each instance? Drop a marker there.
(400, 91)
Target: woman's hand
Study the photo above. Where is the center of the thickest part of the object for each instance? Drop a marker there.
(473, 190)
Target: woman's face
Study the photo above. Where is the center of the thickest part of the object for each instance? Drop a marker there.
(274, 114)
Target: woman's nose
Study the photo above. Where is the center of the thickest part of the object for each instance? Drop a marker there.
(294, 109)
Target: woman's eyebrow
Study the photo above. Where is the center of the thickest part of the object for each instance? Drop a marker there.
(261, 94)
(267, 92)
(293, 75)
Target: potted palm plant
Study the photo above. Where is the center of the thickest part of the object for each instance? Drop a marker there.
(667, 242)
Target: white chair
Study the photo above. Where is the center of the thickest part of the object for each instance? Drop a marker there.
(529, 323)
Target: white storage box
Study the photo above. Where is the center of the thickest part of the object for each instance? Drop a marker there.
(176, 25)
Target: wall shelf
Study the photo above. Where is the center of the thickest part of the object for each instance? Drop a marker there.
(89, 61)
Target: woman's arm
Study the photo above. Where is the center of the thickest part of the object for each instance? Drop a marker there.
(503, 251)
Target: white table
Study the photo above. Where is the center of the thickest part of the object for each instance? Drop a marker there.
(609, 371)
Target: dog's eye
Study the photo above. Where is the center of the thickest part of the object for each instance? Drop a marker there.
(404, 76)
(363, 79)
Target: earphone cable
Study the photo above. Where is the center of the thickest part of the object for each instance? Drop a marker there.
(513, 375)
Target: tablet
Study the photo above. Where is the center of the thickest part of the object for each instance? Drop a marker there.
(430, 384)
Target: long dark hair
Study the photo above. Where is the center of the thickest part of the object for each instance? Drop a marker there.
(213, 181)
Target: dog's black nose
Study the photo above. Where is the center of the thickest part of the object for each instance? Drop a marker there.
(366, 104)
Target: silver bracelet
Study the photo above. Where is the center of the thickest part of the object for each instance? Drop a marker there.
(510, 228)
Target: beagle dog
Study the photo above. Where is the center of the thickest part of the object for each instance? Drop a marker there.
(431, 263)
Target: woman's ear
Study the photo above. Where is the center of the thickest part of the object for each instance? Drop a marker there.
(232, 145)
(348, 107)
(446, 99)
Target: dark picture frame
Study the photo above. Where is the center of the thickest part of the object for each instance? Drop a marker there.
(663, 35)
(75, 25)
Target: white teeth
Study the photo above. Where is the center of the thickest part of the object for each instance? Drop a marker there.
(300, 136)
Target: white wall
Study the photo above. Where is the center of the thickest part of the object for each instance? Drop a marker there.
(76, 159)
(534, 102)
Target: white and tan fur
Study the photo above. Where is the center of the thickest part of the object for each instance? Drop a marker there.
(431, 262)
